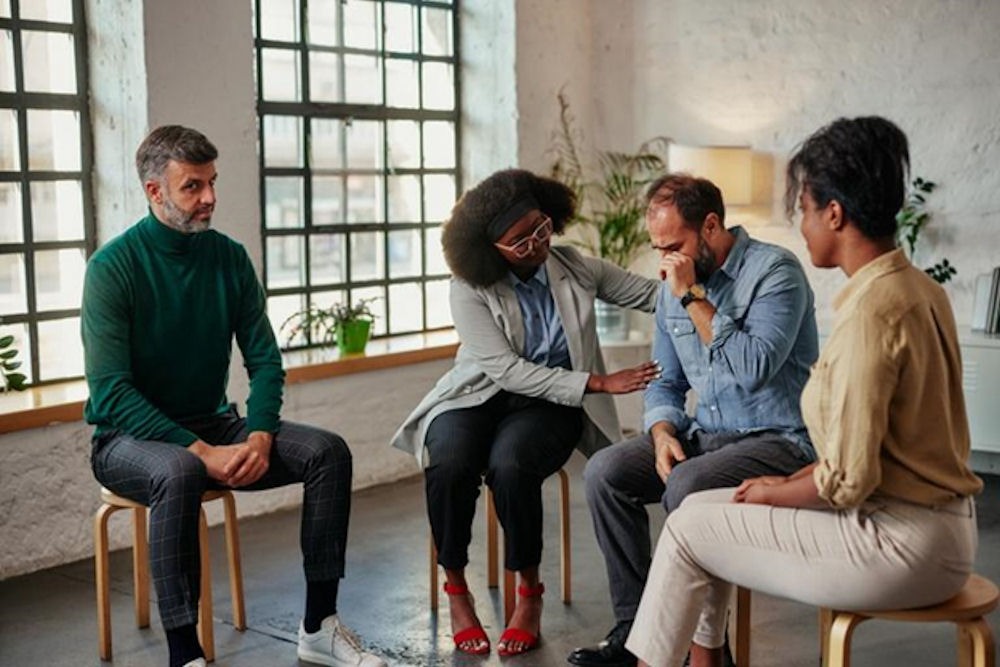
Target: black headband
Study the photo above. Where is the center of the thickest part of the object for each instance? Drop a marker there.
(502, 221)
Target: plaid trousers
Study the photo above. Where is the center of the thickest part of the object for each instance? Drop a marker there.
(170, 481)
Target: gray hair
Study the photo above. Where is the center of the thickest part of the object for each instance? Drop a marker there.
(171, 142)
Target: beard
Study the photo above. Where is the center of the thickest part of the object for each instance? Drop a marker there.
(704, 262)
(183, 221)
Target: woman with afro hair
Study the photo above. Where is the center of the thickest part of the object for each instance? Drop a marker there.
(527, 387)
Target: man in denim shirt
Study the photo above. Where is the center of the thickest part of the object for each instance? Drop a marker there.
(735, 322)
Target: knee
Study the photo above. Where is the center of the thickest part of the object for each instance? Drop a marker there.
(329, 450)
(600, 473)
(182, 473)
(680, 484)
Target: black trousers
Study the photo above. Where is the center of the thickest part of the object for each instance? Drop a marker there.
(516, 442)
(170, 481)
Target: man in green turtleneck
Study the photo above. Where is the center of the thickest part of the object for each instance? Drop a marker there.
(161, 305)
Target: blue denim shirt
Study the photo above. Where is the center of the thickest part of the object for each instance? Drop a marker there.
(544, 338)
(750, 376)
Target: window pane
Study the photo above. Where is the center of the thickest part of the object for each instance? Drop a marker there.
(438, 40)
(327, 259)
(326, 144)
(57, 11)
(364, 199)
(60, 353)
(404, 143)
(439, 197)
(404, 199)
(377, 306)
(11, 231)
(53, 140)
(5, 8)
(404, 253)
(406, 308)
(438, 309)
(285, 265)
(280, 75)
(57, 211)
(361, 24)
(279, 20)
(324, 77)
(49, 62)
(439, 144)
(367, 256)
(283, 206)
(327, 200)
(6, 61)
(362, 80)
(439, 86)
(59, 278)
(364, 145)
(13, 289)
(400, 27)
(435, 255)
(10, 157)
(279, 309)
(282, 141)
(402, 84)
(323, 23)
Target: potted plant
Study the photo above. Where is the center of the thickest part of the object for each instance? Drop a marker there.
(910, 222)
(10, 379)
(610, 188)
(349, 326)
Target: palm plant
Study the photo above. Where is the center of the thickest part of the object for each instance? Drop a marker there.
(611, 201)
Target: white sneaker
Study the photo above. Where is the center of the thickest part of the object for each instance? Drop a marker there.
(199, 662)
(333, 644)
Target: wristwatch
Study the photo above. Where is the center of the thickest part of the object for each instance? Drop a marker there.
(695, 293)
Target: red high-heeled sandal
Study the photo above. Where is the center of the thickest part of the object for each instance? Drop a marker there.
(509, 635)
(472, 634)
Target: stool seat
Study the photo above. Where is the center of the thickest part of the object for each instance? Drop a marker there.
(111, 503)
(977, 598)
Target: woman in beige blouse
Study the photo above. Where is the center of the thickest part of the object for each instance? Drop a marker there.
(884, 519)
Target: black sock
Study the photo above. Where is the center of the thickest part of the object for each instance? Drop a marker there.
(321, 601)
(184, 645)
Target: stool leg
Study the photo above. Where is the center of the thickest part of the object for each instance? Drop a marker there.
(742, 627)
(841, 629)
(491, 541)
(140, 567)
(103, 581)
(825, 621)
(978, 637)
(235, 563)
(433, 572)
(206, 633)
(566, 552)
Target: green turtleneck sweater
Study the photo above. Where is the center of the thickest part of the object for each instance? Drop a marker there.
(160, 309)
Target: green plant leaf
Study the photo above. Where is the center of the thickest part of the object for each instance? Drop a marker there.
(11, 365)
(6, 341)
(8, 354)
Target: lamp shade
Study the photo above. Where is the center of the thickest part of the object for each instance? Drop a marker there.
(729, 167)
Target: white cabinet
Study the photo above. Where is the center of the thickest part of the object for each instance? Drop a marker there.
(981, 382)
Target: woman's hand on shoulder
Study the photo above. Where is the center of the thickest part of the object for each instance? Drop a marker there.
(624, 381)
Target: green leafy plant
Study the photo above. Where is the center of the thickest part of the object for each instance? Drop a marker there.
(327, 325)
(911, 221)
(11, 379)
(610, 196)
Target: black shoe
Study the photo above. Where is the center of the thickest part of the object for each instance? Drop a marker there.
(727, 656)
(609, 653)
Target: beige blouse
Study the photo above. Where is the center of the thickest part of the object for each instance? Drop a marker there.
(884, 404)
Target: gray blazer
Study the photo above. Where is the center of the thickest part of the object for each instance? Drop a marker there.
(491, 331)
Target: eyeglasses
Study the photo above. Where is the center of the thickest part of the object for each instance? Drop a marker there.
(525, 246)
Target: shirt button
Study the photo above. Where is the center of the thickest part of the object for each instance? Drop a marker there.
(676, 330)
(713, 408)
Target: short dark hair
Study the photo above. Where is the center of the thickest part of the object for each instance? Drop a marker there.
(171, 142)
(862, 163)
(468, 247)
(694, 197)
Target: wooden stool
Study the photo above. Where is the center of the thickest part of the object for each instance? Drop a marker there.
(977, 598)
(140, 569)
(492, 549)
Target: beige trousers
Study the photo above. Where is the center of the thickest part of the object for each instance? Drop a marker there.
(886, 554)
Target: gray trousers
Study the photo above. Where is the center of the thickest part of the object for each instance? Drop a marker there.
(621, 480)
(170, 481)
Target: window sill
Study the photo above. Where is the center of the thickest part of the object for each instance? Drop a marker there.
(42, 406)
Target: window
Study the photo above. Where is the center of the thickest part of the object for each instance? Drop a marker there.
(359, 144)
(46, 210)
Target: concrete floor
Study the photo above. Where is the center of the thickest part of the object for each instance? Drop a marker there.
(48, 618)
